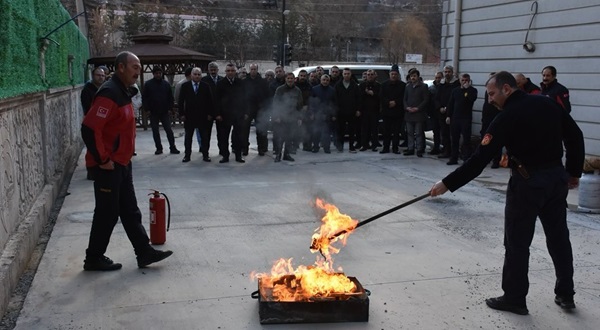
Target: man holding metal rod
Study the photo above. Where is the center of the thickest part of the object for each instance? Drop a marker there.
(533, 129)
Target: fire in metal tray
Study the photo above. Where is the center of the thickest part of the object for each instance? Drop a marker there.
(320, 281)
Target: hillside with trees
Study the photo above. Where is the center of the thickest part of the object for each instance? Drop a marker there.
(241, 30)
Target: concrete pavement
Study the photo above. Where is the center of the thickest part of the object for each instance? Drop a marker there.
(428, 266)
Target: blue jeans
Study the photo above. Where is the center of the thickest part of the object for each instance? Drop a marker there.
(414, 130)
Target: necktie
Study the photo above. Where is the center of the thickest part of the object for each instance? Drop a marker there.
(215, 79)
(195, 87)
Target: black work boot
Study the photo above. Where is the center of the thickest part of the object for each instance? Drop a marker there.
(288, 158)
(102, 263)
(152, 256)
(565, 302)
(502, 304)
(278, 157)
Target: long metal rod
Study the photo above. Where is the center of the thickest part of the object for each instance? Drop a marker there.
(375, 217)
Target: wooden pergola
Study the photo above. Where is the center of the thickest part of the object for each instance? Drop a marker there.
(153, 49)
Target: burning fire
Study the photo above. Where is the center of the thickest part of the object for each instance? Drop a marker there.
(319, 280)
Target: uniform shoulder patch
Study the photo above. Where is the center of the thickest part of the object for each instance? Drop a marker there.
(102, 112)
(487, 138)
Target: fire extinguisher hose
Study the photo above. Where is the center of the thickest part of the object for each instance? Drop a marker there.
(169, 210)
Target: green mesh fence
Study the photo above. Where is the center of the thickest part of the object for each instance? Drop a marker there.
(22, 24)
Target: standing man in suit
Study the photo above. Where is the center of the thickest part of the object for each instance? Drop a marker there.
(197, 112)
(232, 110)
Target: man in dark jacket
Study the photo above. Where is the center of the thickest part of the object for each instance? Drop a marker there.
(416, 101)
(370, 105)
(232, 110)
(197, 112)
(392, 110)
(304, 131)
(553, 89)
(157, 98)
(347, 98)
(287, 103)
(212, 78)
(90, 88)
(321, 109)
(442, 97)
(257, 94)
(108, 130)
(278, 81)
(459, 115)
(434, 113)
(534, 130)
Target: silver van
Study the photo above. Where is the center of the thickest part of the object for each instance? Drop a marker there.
(382, 71)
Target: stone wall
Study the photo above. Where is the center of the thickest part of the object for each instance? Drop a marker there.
(39, 145)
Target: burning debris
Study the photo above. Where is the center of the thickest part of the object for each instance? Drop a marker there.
(320, 280)
(317, 293)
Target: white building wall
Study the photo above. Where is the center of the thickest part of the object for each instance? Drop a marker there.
(565, 34)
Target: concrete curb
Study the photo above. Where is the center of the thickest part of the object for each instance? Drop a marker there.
(22, 244)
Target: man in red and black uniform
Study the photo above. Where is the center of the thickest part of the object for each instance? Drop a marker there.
(533, 129)
(554, 90)
(526, 85)
(108, 131)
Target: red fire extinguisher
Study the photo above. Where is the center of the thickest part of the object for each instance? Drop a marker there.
(158, 234)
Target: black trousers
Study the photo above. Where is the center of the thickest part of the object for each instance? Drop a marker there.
(368, 127)
(262, 134)
(391, 132)
(436, 129)
(444, 134)
(205, 129)
(321, 134)
(543, 195)
(224, 129)
(460, 128)
(115, 198)
(262, 139)
(165, 119)
(346, 124)
(282, 139)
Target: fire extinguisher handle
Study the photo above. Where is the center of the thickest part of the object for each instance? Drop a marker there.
(169, 210)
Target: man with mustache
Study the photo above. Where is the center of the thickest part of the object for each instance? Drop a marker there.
(108, 131)
(553, 89)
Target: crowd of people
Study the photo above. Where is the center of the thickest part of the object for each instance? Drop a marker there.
(319, 111)
(313, 111)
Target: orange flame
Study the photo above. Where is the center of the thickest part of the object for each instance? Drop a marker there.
(286, 283)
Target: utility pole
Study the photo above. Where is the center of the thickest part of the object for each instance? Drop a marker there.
(282, 43)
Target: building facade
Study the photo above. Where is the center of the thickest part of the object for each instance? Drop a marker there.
(525, 36)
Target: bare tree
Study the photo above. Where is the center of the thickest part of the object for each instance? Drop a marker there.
(177, 28)
(103, 28)
(405, 36)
